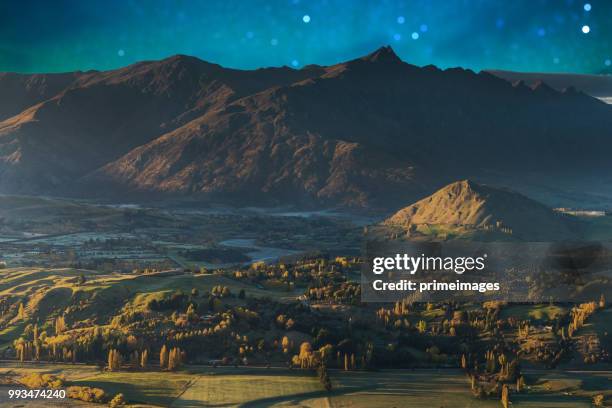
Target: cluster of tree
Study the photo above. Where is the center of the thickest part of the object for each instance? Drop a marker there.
(336, 292)
(322, 277)
(309, 358)
(170, 359)
(221, 291)
(115, 360)
(494, 377)
(177, 301)
(581, 313)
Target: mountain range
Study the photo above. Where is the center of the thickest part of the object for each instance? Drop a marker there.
(371, 132)
(599, 86)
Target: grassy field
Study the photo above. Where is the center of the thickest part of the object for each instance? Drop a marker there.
(70, 371)
(257, 387)
(275, 387)
(570, 384)
(403, 388)
(154, 388)
(431, 389)
(195, 387)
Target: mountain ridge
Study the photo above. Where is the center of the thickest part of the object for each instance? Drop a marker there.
(372, 131)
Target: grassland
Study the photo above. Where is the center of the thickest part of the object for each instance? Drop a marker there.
(153, 388)
(278, 387)
(402, 388)
(449, 388)
(257, 387)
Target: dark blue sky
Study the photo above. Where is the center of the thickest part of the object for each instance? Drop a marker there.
(526, 35)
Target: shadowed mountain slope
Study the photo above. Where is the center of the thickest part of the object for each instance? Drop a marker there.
(373, 131)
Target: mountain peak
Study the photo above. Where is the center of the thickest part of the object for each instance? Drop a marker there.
(462, 187)
(465, 184)
(187, 61)
(383, 54)
(541, 86)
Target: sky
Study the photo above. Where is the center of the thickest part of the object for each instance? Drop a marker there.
(521, 35)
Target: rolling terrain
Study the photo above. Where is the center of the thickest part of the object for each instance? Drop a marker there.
(120, 304)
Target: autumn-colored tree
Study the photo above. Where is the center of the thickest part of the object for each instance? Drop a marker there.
(114, 360)
(117, 401)
(505, 398)
(36, 343)
(174, 359)
(285, 343)
(60, 325)
(23, 349)
(421, 326)
(504, 370)
(326, 353)
(491, 364)
(191, 312)
(21, 314)
(163, 357)
(144, 357)
(520, 383)
(305, 354)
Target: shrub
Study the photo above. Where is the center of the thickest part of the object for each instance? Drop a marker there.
(87, 394)
(38, 380)
(598, 400)
(117, 401)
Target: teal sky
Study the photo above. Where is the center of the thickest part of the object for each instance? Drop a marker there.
(524, 35)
